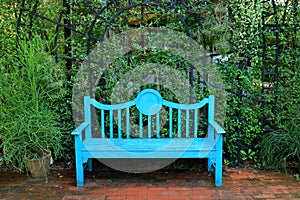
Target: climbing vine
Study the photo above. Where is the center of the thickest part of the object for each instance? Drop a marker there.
(241, 70)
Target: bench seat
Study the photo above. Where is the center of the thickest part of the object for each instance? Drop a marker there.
(148, 148)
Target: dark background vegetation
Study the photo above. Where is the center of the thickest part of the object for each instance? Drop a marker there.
(232, 30)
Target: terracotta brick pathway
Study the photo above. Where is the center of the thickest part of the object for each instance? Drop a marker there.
(238, 184)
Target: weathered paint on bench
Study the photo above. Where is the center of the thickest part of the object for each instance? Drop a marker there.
(148, 145)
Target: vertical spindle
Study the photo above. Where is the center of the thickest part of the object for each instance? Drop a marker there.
(127, 123)
(170, 122)
(179, 123)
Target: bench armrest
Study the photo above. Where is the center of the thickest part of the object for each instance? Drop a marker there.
(217, 127)
(80, 128)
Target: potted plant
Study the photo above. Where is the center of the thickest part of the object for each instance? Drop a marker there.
(30, 95)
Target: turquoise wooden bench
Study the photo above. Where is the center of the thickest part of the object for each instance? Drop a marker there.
(119, 143)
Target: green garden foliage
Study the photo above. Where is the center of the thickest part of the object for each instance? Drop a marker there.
(8, 18)
(282, 145)
(30, 93)
(231, 29)
(241, 68)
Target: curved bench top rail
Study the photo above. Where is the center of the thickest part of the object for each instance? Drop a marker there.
(112, 107)
(131, 103)
(186, 106)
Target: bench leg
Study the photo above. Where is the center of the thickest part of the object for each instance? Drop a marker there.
(90, 164)
(219, 163)
(79, 170)
(218, 172)
(210, 163)
(79, 174)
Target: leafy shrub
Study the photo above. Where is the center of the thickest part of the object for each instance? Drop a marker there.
(29, 93)
(282, 145)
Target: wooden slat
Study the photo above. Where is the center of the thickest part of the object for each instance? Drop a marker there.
(102, 124)
(127, 123)
(141, 124)
(187, 124)
(111, 125)
(149, 126)
(170, 122)
(179, 124)
(149, 145)
(174, 154)
(112, 107)
(185, 106)
(157, 126)
(119, 123)
(195, 123)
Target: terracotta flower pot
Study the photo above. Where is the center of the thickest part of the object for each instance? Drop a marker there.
(39, 167)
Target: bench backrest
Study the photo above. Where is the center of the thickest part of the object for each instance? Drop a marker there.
(149, 104)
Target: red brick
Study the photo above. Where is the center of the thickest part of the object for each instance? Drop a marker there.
(115, 198)
(170, 197)
(264, 196)
(200, 196)
(137, 197)
(82, 197)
